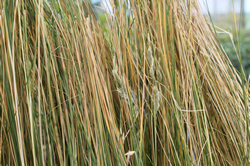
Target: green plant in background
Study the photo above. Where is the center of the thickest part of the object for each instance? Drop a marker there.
(152, 88)
(229, 41)
(103, 19)
(229, 48)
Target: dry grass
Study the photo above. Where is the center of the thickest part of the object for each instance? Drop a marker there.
(154, 88)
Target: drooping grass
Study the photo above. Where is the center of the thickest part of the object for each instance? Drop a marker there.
(150, 88)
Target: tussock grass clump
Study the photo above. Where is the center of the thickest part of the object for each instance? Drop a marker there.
(152, 87)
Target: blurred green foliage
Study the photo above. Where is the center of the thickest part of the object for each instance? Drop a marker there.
(102, 18)
(244, 39)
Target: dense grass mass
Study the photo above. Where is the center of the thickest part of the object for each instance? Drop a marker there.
(152, 86)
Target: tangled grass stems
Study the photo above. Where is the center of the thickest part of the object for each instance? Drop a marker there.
(150, 88)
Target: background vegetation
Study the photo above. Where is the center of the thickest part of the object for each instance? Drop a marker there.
(150, 88)
(227, 23)
(227, 44)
